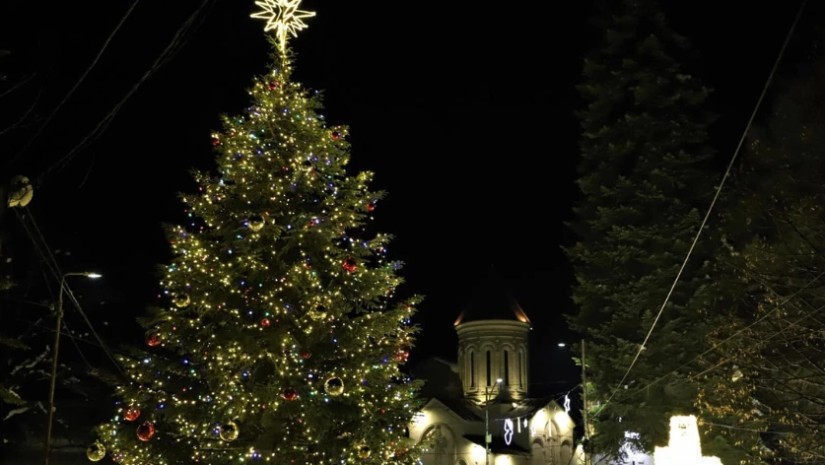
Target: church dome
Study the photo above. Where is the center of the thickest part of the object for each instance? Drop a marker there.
(492, 300)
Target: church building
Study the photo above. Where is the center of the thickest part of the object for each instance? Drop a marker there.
(485, 394)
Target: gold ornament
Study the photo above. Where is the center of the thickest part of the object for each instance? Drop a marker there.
(181, 300)
(334, 386)
(256, 223)
(319, 313)
(364, 451)
(20, 192)
(229, 431)
(96, 452)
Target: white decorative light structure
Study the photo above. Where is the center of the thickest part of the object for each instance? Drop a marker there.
(684, 447)
(508, 431)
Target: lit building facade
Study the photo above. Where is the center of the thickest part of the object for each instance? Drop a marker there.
(493, 361)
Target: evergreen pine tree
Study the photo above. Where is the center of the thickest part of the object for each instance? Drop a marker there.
(281, 337)
(646, 177)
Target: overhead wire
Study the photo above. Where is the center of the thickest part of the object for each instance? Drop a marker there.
(732, 336)
(725, 176)
(171, 49)
(48, 260)
(19, 123)
(39, 242)
(178, 40)
(80, 80)
(34, 233)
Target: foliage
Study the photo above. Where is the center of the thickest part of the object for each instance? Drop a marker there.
(647, 176)
(765, 381)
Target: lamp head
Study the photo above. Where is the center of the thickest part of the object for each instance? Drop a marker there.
(92, 275)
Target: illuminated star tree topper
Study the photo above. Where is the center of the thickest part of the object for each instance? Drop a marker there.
(284, 17)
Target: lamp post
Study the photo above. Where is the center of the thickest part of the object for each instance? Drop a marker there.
(487, 436)
(47, 442)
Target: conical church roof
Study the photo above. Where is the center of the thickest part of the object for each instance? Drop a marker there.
(492, 300)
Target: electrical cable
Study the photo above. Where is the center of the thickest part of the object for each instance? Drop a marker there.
(51, 116)
(732, 336)
(171, 49)
(48, 258)
(51, 264)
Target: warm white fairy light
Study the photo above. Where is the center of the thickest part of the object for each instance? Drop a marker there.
(284, 17)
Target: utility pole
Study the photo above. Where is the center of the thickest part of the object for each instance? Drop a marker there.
(59, 319)
(584, 403)
(487, 436)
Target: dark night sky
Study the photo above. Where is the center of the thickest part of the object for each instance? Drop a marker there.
(463, 111)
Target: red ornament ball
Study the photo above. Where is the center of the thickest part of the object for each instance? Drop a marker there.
(402, 356)
(289, 394)
(349, 264)
(152, 339)
(265, 322)
(216, 141)
(146, 431)
(335, 135)
(306, 355)
(131, 414)
(272, 85)
(370, 206)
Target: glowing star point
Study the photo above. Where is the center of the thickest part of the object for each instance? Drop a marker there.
(284, 17)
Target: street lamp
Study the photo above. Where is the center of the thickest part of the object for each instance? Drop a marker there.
(47, 443)
(487, 436)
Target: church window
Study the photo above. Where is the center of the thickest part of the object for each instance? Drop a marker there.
(489, 380)
(472, 369)
(506, 369)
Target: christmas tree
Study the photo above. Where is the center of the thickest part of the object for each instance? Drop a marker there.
(280, 339)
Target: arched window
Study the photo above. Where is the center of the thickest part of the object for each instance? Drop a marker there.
(566, 454)
(472, 369)
(489, 363)
(438, 445)
(539, 454)
(506, 369)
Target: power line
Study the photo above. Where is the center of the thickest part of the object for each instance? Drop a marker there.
(734, 335)
(178, 40)
(46, 254)
(76, 84)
